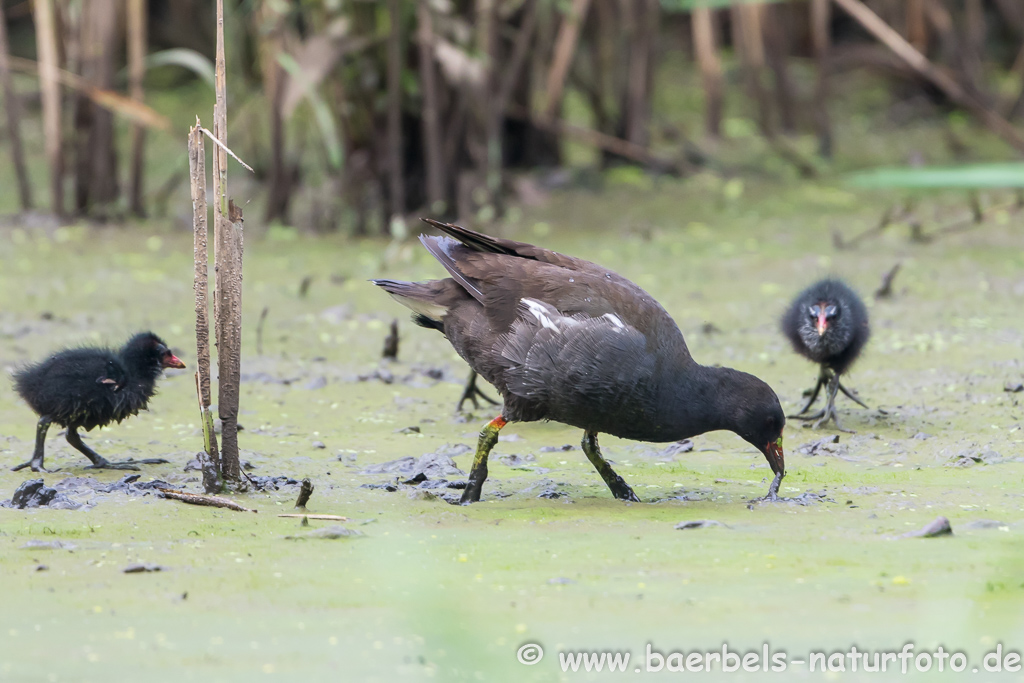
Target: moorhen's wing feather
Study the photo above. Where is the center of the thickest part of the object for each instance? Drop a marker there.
(589, 372)
(500, 281)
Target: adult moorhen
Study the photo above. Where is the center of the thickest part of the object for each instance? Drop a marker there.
(92, 387)
(827, 323)
(567, 340)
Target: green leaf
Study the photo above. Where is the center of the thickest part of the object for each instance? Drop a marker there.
(976, 176)
(321, 112)
(185, 58)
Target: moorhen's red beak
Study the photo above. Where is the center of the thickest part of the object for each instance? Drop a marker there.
(172, 361)
(822, 321)
(777, 460)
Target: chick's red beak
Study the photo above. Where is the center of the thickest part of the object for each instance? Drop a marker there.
(775, 456)
(822, 321)
(172, 361)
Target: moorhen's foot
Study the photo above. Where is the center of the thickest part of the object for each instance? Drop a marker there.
(822, 417)
(622, 491)
(835, 422)
(472, 493)
(472, 393)
(851, 394)
(36, 467)
(616, 484)
(105, 464)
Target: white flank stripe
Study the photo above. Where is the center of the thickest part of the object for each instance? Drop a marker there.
(615, 320)
(541, 314)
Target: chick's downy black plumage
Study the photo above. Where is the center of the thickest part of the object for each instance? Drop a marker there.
(91, 387)
(827, 323)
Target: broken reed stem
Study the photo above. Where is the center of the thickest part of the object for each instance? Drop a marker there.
(200, 499)
(229, 348)
(227, 302)
(219, 163)
(201, 256)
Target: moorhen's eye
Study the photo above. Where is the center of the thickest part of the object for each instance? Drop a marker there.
(831, 312)
(813, 311)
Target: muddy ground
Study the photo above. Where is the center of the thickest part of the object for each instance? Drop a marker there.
(430, 590)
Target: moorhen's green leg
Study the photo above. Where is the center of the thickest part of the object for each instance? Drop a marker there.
(852, 394)
(101, 463)
(477, 475)
(36, 463)
(823, 378)
(829, 411)
(619, 488)
(472, 393)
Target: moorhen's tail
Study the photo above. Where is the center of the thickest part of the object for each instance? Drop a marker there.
(477, 241)
(429, 301)
(444, 250)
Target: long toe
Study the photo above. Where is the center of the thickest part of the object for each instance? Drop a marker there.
(816, 416)
(481, 394)
(853, 395)
(149, 461)
(34, 466)
(107, 465)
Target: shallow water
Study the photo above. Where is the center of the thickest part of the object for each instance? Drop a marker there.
(432, 590)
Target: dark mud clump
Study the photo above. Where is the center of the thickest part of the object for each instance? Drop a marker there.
(77, 493)
(700, 524)
(434, 465)
(938, 527)
(670, 452)
(36, 494)
(327, 533)
(828, 445)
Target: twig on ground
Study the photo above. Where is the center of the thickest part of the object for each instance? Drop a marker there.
(199, 499)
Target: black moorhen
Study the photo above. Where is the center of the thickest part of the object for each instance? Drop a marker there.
(564, 339)
(827, 323)
(92, 387)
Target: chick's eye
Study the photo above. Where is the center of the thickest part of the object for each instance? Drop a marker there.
(831, 312)
(813, 311)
